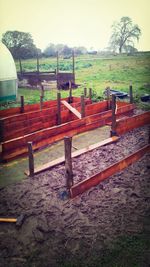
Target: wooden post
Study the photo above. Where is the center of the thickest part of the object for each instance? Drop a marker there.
(70, 92)
(57, 63)
(57, 70)
(82, 107)
(58, 108)
(108, 97)
(73, 66)
(42, 91)
(22, 104)
(68, 162)
(131, 94)
(20, 65)
(38, 68)
(113, 125)
(31, 159)
(90, 94)
(1, 130)
(85, 91)
(41, 102)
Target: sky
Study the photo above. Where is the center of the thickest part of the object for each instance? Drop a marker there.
(73, 22)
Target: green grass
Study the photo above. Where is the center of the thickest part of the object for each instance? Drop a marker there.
(98, 73)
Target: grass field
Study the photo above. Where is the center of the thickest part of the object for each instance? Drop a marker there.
(96, 72)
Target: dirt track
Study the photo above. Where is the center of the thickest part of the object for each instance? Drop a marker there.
(56, 228)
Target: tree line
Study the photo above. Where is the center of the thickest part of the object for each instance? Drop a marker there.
(21, 44)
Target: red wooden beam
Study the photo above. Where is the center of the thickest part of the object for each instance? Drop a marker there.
(76, 153)
(97, 178)
(35, 107)
(18, 146)
(128, 124)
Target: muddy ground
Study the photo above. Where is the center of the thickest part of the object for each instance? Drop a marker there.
(57, 230)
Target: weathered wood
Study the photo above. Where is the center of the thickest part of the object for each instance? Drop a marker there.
(17, 146)
(77, 153)
(128, 124)
(58, 108)
(57, 62)
(34, 107)
(113, 125)
(85, 91)
(108, 97)
(131, 94)
(2, 133)
(68, 162)
(42, 90)
(26, 123)
(22, 104)
(31, 159)
(41, 102)
(38, 66)
(70, 100)
(73, 65)
(20, 65)
(97, 178)
(82, 107)
(90, 94)
(73, 110)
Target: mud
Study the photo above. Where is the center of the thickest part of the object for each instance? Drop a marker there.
(56, 228)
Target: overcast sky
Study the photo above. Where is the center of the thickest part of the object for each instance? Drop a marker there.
(73, 22)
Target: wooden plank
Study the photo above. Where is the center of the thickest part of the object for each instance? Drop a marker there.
(129, 124)
(22, 104)
(58, 108)
(96, 145)
(73, 110)
(34, 107)
(31, 159)
(18, 146)
(97, 178)
(68, 162)
(15, 128)
(82, 107)
(90, 94)
(113, 125)
(15, 147)
(77, 153)
(131, 94)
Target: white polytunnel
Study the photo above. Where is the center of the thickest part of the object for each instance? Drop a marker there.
(8, 75)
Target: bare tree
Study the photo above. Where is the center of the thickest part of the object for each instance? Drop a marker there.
(124, 33)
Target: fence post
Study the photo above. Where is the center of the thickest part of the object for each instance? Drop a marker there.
(20, 65)
(1, 130)
(70, 92)
(73, 66)
(85, 91)
(82, 107)
(113, 125)
(108, 97)
(68, 162)
(90, 94)
(41, 102)
(31, 159)
(131, 94)
(42, 90)
(22, 104)
(58, 108)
